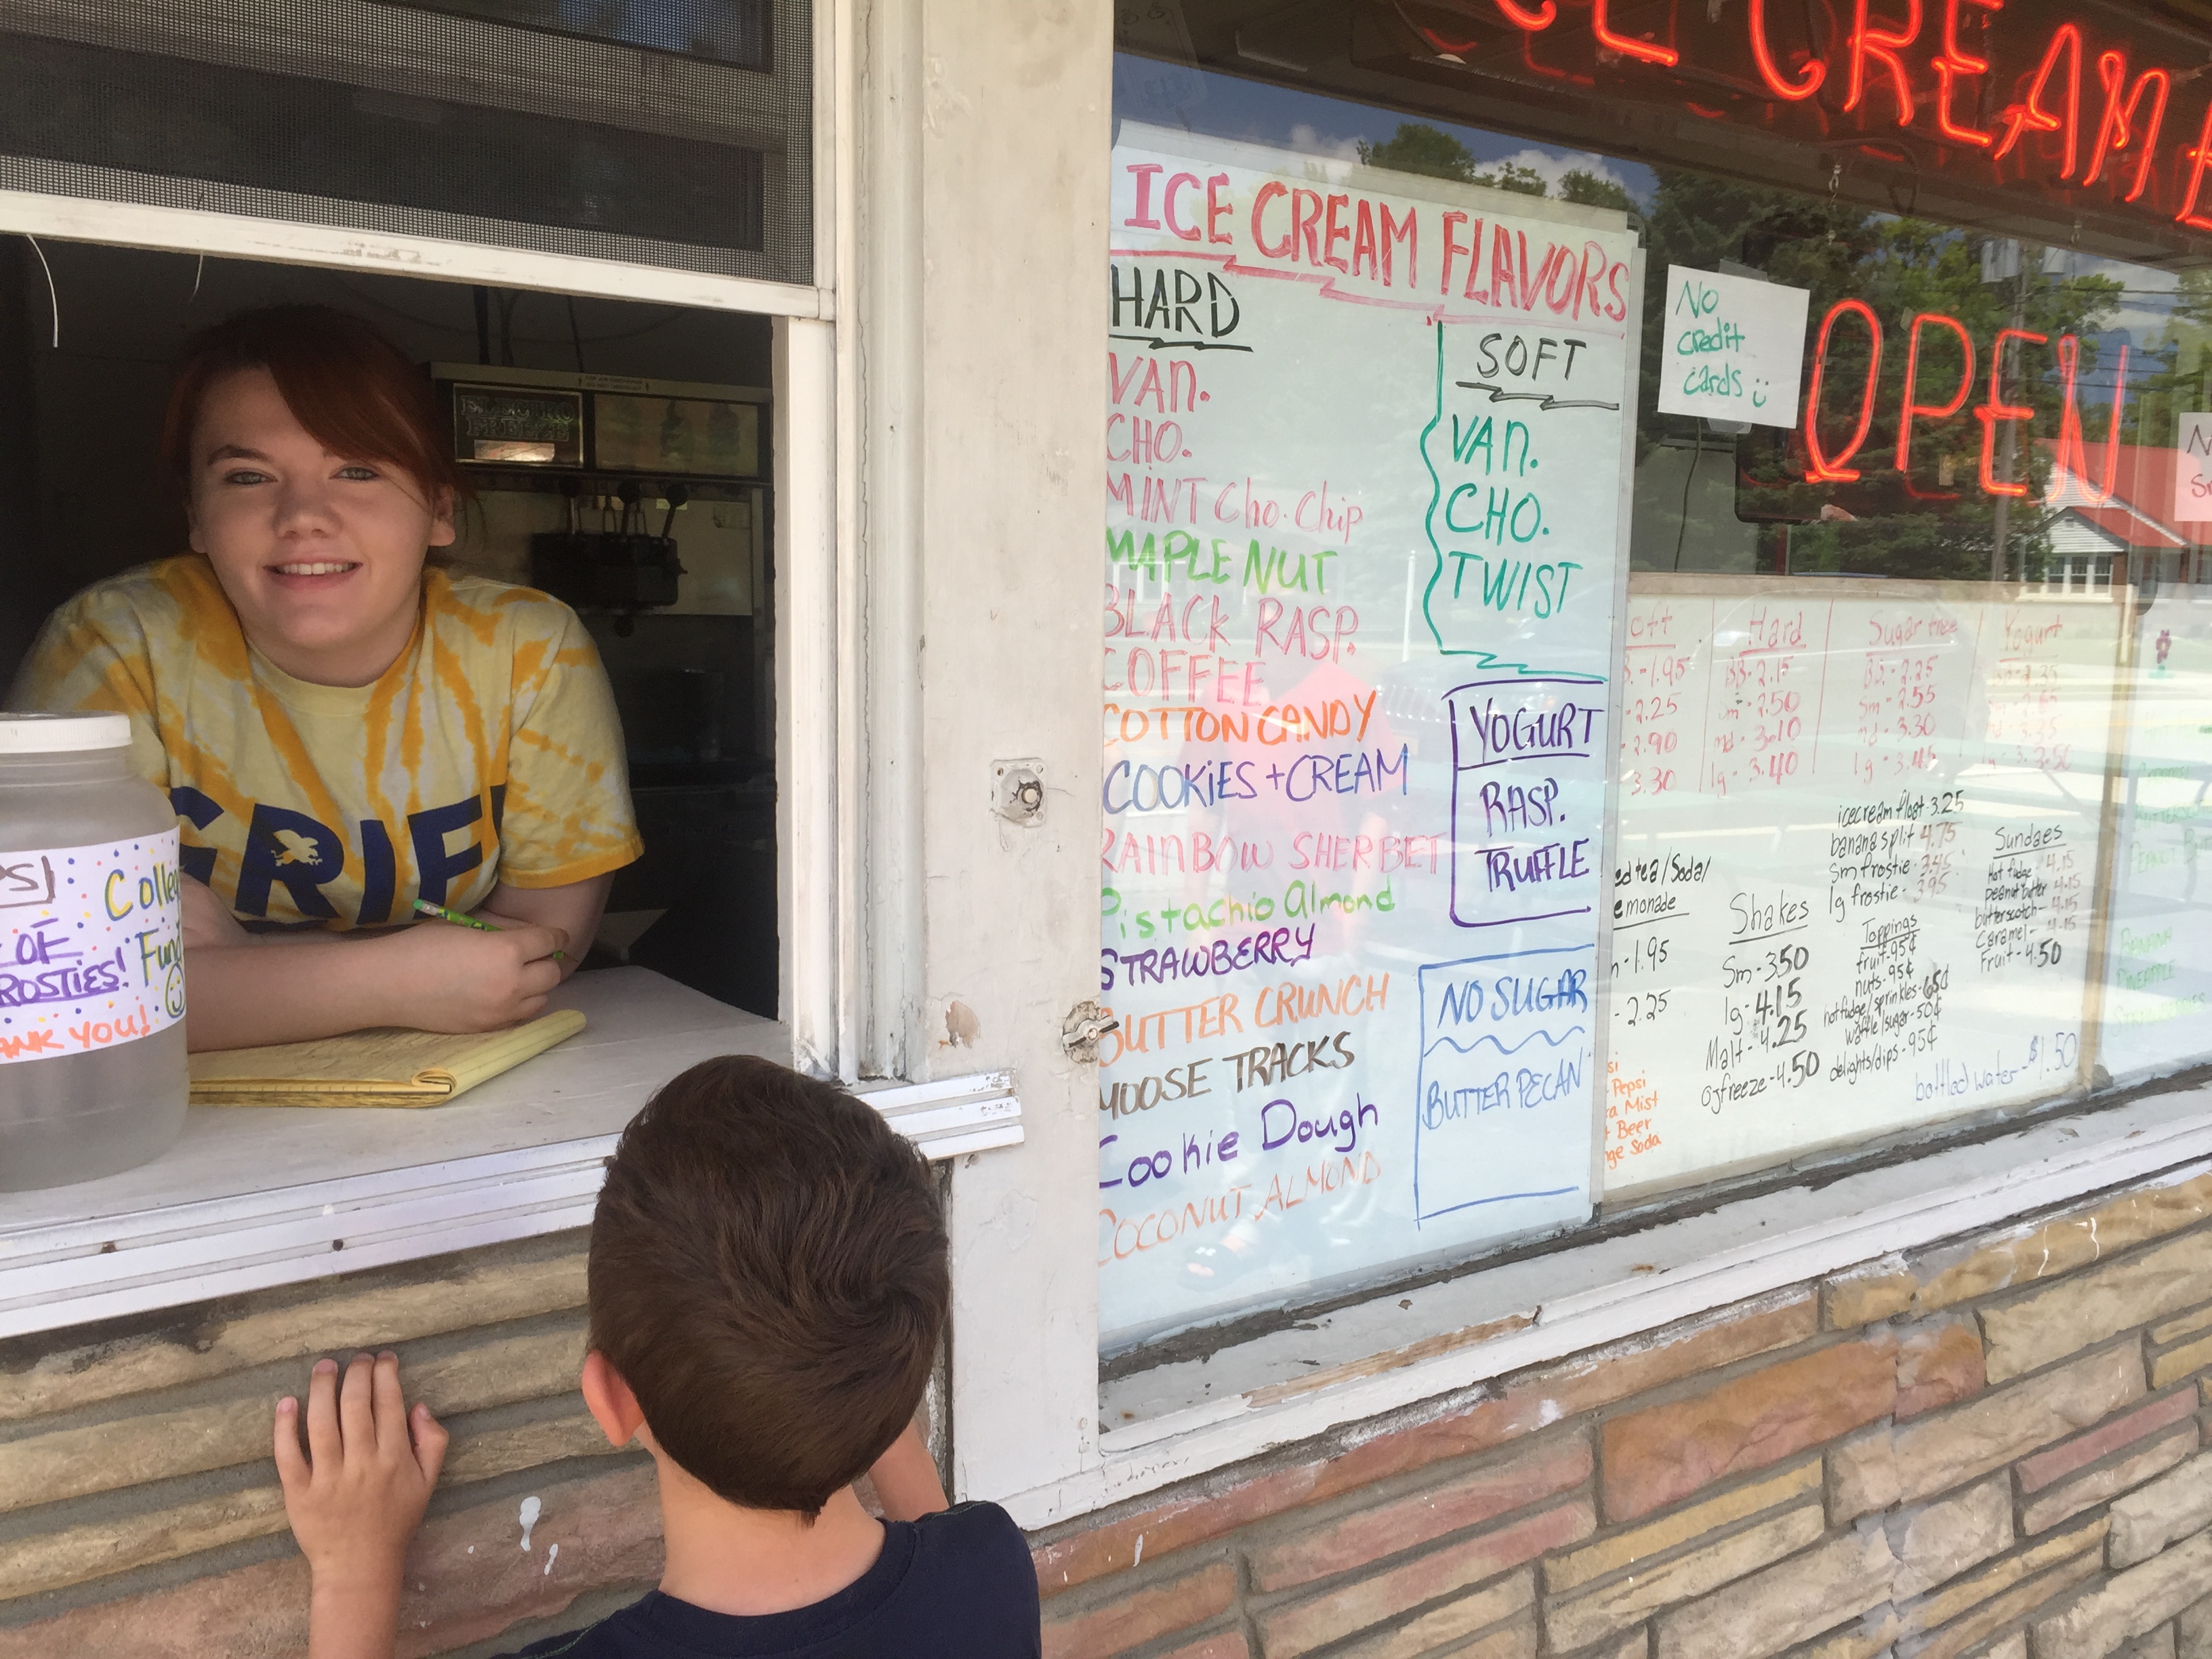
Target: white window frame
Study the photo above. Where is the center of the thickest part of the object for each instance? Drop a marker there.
(805, 478)
(196, 1247)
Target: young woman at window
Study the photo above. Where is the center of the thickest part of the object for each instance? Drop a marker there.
(341, 725)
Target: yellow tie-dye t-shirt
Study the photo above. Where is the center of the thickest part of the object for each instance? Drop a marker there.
(489, 751)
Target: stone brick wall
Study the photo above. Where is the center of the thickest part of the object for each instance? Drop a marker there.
(139, 1510)
(1992, 1448)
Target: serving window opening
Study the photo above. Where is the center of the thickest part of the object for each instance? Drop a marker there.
(617, 457)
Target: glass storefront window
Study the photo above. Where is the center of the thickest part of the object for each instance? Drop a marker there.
(1617, 677)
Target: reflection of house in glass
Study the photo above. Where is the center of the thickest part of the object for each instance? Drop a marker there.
(2100, 537)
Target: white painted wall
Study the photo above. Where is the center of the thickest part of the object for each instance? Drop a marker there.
(972, 247)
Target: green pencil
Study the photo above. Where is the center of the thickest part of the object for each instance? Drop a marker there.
(460, 921)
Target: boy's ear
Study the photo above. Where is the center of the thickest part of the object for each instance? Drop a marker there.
(611, 1402)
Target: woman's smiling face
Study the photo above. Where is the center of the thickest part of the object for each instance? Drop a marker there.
(320, 555)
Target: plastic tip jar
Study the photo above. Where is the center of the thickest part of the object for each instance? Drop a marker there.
(92, 1073)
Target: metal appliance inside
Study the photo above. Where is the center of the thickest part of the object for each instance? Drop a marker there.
(644, 504)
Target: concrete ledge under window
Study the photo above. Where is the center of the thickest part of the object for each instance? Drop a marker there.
(1186, 1418)
(255, 1196)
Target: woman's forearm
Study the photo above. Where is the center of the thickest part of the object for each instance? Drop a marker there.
(282, 991)
(433, 977)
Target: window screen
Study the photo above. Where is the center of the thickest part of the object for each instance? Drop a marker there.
(724, 31)
(671, 134)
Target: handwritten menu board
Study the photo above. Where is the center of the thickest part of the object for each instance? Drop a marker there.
(1366, 444)
(1858, 835)
(2158, 980)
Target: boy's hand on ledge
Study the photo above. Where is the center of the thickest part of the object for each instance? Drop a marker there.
(355, 1497)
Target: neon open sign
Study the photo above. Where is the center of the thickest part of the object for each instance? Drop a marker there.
(1923, 398)
(2016, 94)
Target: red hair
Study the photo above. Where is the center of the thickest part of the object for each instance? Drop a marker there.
(356, 393)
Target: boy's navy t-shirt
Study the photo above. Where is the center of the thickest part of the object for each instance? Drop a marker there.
(954, 1585)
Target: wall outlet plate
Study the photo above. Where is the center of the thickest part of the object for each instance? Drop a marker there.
(1017, 791)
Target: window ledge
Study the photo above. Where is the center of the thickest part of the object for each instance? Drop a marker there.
(1187, 1417)
(255, 1196)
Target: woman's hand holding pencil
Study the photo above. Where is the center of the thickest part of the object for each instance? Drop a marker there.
(473, 977)
(425, 907)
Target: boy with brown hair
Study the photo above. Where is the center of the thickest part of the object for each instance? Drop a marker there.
(768, 1282)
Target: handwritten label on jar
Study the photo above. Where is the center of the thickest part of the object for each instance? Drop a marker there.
(91, 945)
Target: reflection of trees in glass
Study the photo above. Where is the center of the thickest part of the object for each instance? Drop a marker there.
(1434, 152)
(1417, 147)
(1511, 175)
(1932, 519)
(2179, 365)
(1579, 184)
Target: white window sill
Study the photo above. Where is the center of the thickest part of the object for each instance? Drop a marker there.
(1186, 1418)
(252, 1196)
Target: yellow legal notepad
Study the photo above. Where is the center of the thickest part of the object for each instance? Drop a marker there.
(372, 1068)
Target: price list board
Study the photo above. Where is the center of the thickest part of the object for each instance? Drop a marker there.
(1858, 835)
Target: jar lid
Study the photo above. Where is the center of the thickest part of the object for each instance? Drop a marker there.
(62, 734)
